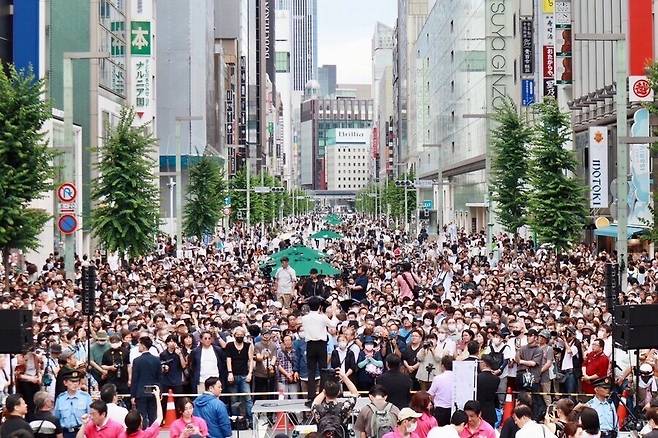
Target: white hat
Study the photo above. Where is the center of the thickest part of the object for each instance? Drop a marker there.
(407, 413)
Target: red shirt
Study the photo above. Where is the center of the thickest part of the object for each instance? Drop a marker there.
(595, 363)
(111, 429)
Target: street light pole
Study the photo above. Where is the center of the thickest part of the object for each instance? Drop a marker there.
(179, 181)
(69, 147)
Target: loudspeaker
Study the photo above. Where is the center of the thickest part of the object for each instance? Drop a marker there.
(630, 337)
(16, 331)
(637, 315)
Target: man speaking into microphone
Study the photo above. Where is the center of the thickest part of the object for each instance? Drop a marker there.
(315, 325)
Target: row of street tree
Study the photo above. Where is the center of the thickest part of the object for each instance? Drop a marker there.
(388, 196)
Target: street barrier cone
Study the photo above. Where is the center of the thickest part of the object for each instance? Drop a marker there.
(508, 409)
(282, 424)
(170, 415)
(622, 412)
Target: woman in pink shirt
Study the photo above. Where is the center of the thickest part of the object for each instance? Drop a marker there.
(407, 281)
(421, 402)
(187, 424)
(407, 423)
(133, 421)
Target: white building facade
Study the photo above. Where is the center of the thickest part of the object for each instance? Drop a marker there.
(347, 159)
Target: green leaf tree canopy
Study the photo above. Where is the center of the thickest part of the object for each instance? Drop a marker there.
(557, 204)
(26, 168)
(205, 198)
(509, 169)
(127, 215)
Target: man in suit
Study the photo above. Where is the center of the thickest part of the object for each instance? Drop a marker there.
(146, 372)
(207, 360)
(487, 385)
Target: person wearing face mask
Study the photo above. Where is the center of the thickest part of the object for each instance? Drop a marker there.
(342, 359)
(406, 426)
(501, 354)
(369, 364)
(240, 366)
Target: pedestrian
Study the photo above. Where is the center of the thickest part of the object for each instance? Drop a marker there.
(134, 421)
(457, 425)
(145, 381)
(43, 423)
(476, 425)
(97, 425)
(72, 405)
(595, 366)
(442, 392)
(604, 407)
(114, 411)
(529, 359)
(528, 428)
(315, 325)
(379, 414)
(15, 412)
(187, 424)
(421, 402)
(406, 426)
(206, 360)
(285, 282)
(487, 386)
(240, 368)
(397, 383)
(213, 411)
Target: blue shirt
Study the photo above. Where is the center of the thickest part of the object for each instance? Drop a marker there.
(607, 414)
(69, 409)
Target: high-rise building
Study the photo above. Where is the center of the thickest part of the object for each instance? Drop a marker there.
(327, 80)
(348, 158)
(304, 19)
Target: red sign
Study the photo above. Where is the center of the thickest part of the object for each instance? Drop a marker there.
(67, 224)
(67, 192)
(375, 142)
(549, 62)
(642, 88)
(640, 38)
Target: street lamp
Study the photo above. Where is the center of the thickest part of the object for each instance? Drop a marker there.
(69, 146)
(179, 180)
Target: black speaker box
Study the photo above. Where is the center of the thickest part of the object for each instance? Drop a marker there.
(636, 315)
(15, 331)
(635, 337)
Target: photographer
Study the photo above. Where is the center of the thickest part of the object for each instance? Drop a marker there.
(557, 416)
(329, 414)
(173, 363)
(115, 363)
(428, 362)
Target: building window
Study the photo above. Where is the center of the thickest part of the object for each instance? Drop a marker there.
(282, 63)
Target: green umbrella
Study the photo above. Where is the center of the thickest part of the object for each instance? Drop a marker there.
(333, 219)
(326, 234)
(300, 250)
(303, 266)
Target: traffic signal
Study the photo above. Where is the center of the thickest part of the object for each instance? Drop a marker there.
(278, 189)
(88, 290)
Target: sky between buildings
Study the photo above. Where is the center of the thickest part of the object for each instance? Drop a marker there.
(345, 29)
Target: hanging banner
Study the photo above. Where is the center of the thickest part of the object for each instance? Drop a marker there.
(527, 92)
(563, 43)
(598, 167)
(638, 186)
(527, 47)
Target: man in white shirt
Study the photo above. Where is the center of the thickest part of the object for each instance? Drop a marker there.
(114, 411)
(527, 426)
(285, 281)
(315, 325)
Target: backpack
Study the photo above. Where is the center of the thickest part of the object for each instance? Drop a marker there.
(330, 423)
(382, 421)
(497, 357)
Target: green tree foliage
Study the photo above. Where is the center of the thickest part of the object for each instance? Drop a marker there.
(26, 168)
(264, 207)
(127, 215)
(509, 169)
(557, 205)
(205, 198)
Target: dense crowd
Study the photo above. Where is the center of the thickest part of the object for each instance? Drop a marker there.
(392, 324)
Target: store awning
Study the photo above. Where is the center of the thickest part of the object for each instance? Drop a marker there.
(611, 231)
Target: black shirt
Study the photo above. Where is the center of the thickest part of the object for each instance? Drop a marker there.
(398, 386)
(12, 424)
(174, 367)
(239, 358)
(45, 425)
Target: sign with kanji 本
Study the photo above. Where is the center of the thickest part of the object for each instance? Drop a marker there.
(140, 38)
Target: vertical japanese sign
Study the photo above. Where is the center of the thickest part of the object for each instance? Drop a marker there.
(563, 43)
(527, 47)
(547, 38)
(598, 167)
(142, 60)
(638, 186)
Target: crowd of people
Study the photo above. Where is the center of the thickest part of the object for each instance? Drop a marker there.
(391, 325)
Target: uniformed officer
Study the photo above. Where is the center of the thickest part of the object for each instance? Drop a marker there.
(604, 407)
(71, 405)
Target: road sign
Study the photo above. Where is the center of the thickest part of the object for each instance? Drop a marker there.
(262, 189)
(427, 204)
(67, 192)
(227, 201)
(227, 211)
(67, 206)
(424, 183)
(67, 223)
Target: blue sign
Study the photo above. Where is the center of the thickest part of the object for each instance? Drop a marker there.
(527, 92)
(427, 204)
(67, 224)
(227, 201)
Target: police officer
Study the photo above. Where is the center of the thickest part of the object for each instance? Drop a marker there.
(72, 404)
(604, 407)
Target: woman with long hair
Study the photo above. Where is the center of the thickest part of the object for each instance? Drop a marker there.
(187, 424)
(421, 402)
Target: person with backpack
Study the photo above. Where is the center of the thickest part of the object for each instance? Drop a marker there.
(378, 417)
(407, 423)
(501, 354)
(331, 415)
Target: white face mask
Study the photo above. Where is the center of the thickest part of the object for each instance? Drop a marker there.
(411, 427)
(342, 345)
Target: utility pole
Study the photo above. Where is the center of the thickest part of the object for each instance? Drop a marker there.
(69, 148)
